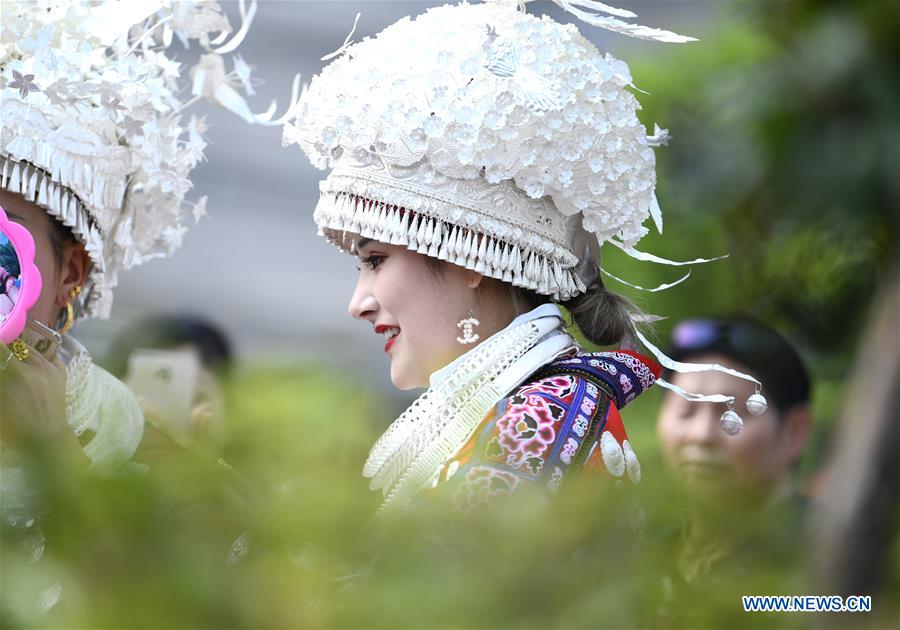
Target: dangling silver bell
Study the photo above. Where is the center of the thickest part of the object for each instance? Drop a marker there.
(731, 422)
(757, 404)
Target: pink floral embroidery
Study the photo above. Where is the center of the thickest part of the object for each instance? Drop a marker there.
(588, 406)
(527, 430)
(484, 485)
(625, 382)
(568, 451)
(606, 366)
(559, 386)
(580, 426)
(640, 369)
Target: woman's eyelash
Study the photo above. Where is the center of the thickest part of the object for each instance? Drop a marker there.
(372, 261)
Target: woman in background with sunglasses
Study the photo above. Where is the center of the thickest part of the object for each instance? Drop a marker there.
(745, 512)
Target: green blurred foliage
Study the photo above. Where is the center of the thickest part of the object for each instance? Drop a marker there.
(195, 544)
(785, 156)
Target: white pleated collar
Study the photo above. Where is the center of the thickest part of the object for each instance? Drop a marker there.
(544, 310)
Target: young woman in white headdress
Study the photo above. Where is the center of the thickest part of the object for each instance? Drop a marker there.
(480, 156)
(95, 162)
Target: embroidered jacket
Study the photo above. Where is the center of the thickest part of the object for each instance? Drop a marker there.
(564, 418)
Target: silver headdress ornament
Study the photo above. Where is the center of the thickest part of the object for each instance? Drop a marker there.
(482, 135)
(91, 126)
(488, 137)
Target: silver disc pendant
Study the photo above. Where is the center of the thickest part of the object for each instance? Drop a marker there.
(757, 404)
(731, 422)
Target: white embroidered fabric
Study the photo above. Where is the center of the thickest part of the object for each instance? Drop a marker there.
(416, 445)
(99, 402)
(509, 131)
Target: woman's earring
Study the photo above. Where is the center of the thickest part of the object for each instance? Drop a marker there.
(731, 422)
(468, 326)
(757, 403)
(70, 312)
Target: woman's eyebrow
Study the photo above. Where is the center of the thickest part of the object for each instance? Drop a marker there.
(362, 243)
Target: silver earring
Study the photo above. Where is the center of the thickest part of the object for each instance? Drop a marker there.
(757, 404)
(468, 326)
(731, 422)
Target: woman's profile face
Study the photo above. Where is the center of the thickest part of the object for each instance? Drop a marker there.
(412, 308)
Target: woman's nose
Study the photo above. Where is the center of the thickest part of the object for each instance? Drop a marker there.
(363, 304)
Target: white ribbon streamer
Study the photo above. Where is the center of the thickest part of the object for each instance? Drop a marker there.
(663, 261)
(661, 287)
(678, 366)
(601, 7)
(716, 398)
(656, 213)
(346, 43)
(576, 8)
(246, 21)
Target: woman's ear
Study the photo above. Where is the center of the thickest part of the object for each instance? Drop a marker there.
(76, 265)
(798, 422)
(475, 279)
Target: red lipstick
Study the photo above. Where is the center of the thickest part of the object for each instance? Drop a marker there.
(380, 329)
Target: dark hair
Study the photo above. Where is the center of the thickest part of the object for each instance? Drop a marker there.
(9, 260)
(603, 317)
(60, 237)
(761, 349)
(170, 331)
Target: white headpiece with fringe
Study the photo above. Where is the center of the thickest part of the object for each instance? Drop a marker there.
(91, 126)
(488, 137)
(493, 139)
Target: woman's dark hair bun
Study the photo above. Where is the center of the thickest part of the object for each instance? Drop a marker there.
(603, 317)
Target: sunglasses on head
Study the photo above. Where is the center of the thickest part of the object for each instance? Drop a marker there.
(696, 334)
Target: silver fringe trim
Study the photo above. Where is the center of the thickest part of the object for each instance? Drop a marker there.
(417, 445)
(341, 215)
(36, 185)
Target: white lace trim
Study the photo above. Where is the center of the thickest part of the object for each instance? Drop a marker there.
(531, 262)
(97, 401)
(416, 445)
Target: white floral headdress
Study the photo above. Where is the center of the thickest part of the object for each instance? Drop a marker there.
(496, 140)
(482, 135)
(91, 125)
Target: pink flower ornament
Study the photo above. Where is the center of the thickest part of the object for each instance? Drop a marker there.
(22, 243)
